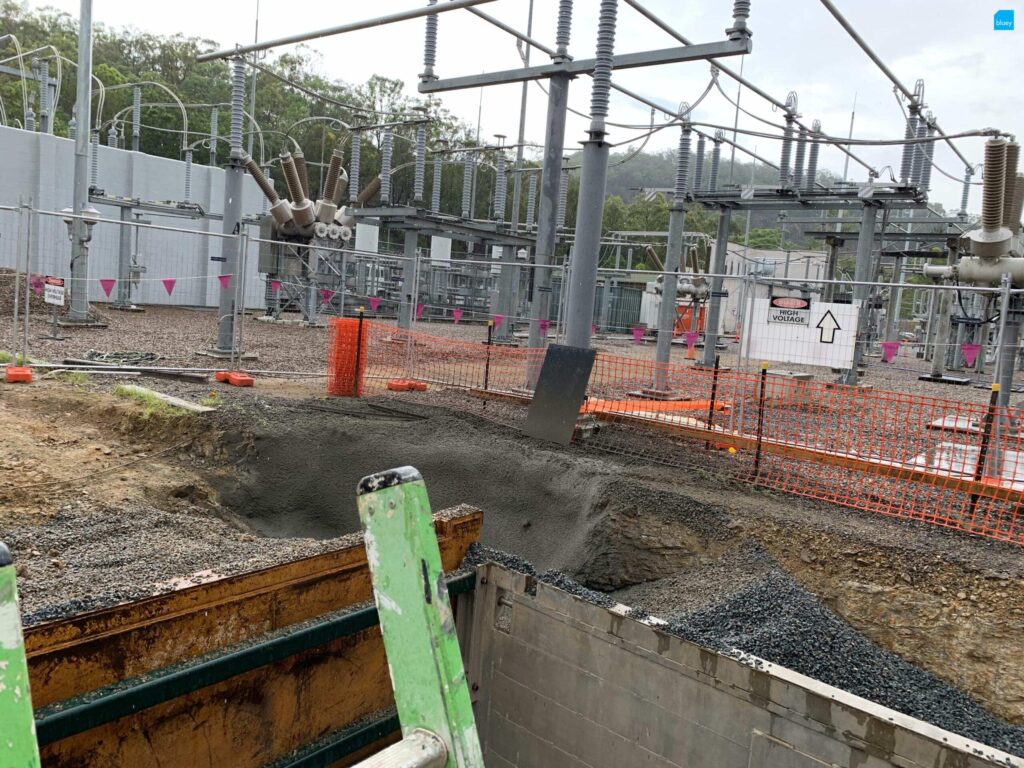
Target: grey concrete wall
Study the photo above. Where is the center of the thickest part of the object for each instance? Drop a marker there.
(38, 172)
(560, 682)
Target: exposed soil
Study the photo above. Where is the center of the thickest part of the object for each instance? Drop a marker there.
(272, 476)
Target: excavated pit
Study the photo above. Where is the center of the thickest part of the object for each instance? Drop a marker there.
(905, 597)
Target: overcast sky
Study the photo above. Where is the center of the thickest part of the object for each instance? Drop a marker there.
(972, 73)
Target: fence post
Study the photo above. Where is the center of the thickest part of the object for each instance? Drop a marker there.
(986, 440)
(357, 376)
(17, 282)
(487, 364)
(239, 308)
(19, 728)
(30, 213)
(760, 417)
(711, 402)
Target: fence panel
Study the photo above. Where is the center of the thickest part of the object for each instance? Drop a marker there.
(942, 461)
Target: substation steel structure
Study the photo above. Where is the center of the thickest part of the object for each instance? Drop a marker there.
(883, 198)
(558, 74)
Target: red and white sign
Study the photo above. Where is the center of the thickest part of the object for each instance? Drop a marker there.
(53, 290)
(791, 310)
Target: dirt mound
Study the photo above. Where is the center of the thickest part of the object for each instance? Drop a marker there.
(36, 304)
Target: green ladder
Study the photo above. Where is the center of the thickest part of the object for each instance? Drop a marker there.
(416, 620)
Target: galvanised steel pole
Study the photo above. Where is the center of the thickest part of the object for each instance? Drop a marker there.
(673, 257)
(715, 299)
(861, 292)
(547, 216)
(593, 176)
(79, 311)
(550, 182)
(232, 214)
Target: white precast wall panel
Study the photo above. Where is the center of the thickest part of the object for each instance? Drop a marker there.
(39, 170)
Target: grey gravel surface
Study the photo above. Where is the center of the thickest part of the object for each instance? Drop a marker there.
(87, 556)
(711, 580)
(776, 619)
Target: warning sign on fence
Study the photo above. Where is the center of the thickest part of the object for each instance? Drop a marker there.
(793, 330)
(791, 310)
(53, 290)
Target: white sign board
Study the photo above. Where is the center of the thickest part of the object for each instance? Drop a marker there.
(827, 339)
(53, 291)
(367, 237)
(440, 249)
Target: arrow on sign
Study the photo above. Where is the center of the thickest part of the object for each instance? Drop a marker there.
(828, 326)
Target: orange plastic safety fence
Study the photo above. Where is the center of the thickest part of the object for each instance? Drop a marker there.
(945, 462)
(346, 357)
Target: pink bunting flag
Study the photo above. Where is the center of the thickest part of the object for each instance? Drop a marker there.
(326, 294)
(970, 353)
(691, 339)
(275, 286)
(374, 303)
(638, 335)
(36, 281)
(498, 320)
(419, 310)
(889, 350)
(225, 281)
(169, 284)
(107, 284)
(457, 315)
(544, 325)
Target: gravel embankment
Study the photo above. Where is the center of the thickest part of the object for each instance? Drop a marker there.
(776, 619)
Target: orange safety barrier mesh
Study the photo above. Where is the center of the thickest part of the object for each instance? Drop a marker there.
(945, 462)
(346, 358)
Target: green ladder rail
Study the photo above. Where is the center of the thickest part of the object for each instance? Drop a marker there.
(416, 620)
(18, 747)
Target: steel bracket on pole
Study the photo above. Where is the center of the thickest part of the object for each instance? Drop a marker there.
(572, 68)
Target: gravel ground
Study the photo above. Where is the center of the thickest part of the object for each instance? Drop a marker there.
(771, 616)
(710, 580)
(778, 620)
(88, 556)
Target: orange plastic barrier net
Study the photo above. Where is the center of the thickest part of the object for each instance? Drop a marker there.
(945, 462)
(347, 354)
